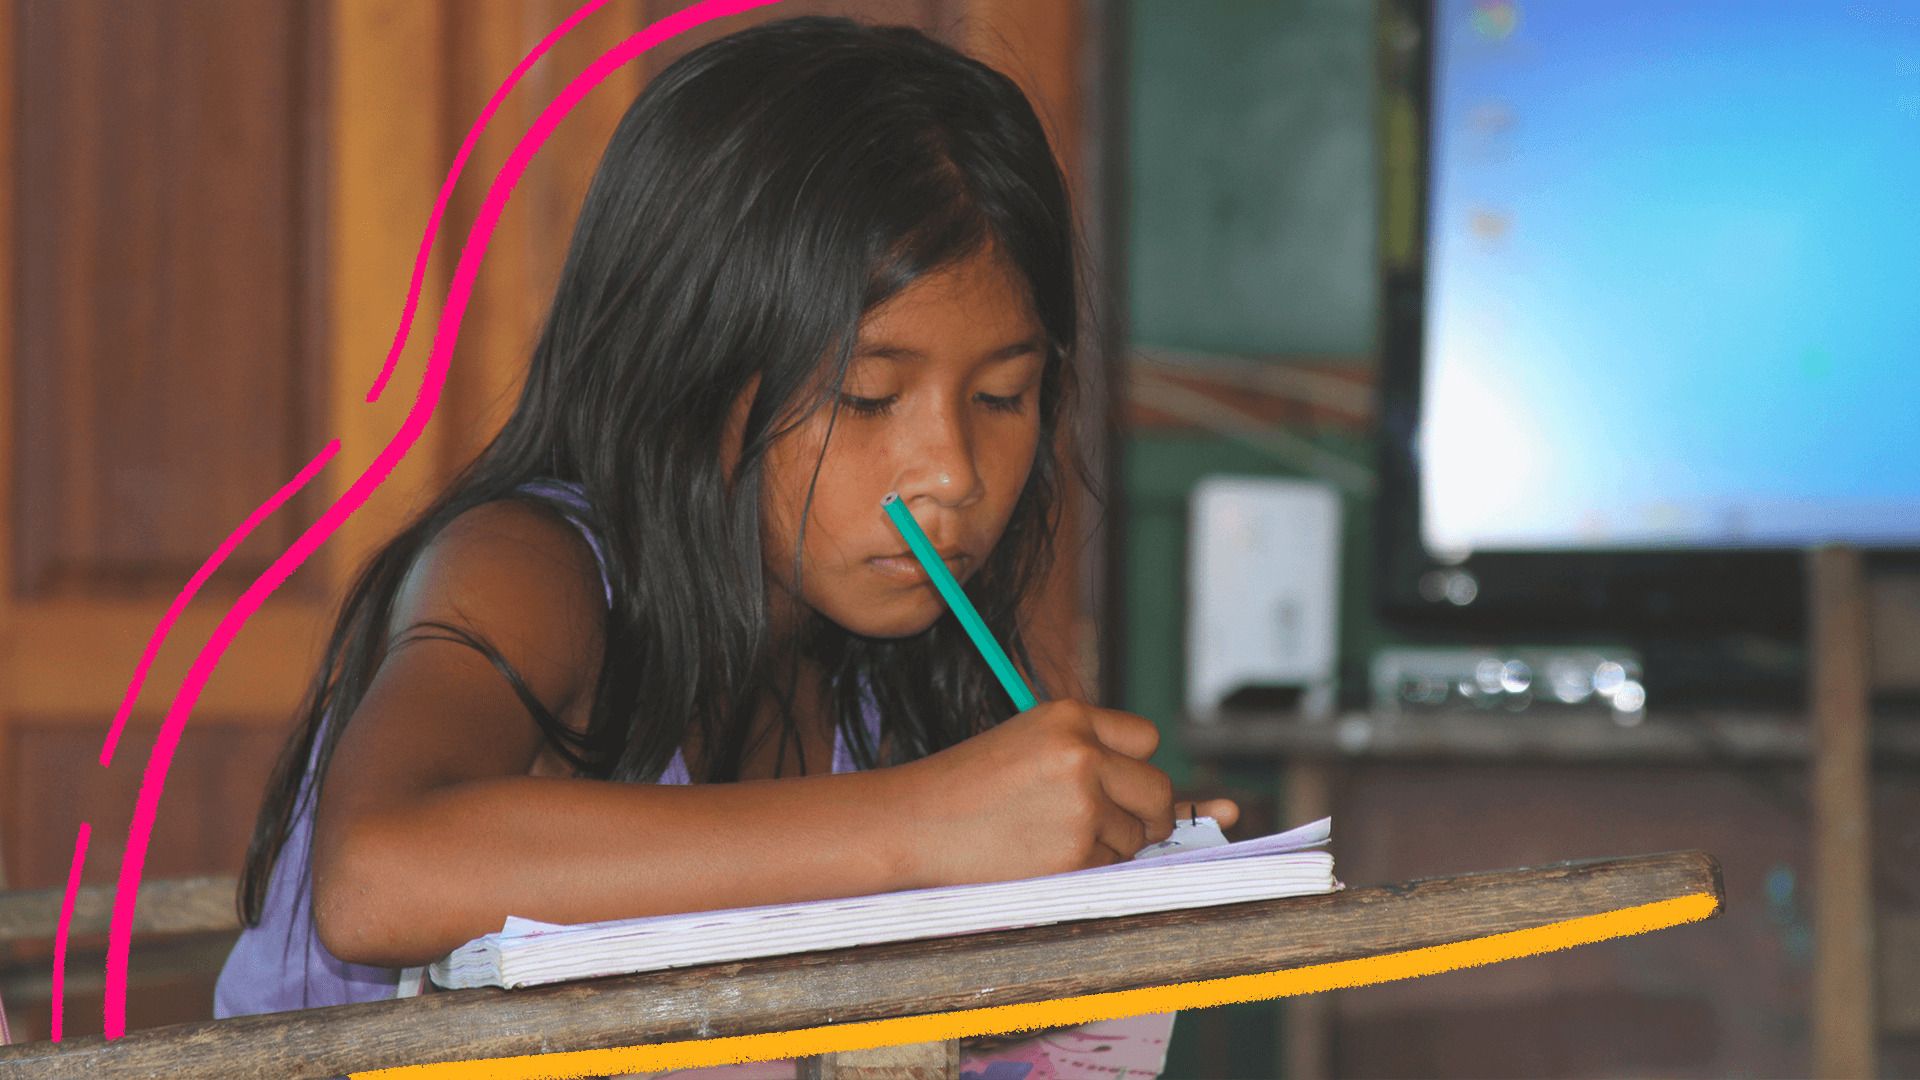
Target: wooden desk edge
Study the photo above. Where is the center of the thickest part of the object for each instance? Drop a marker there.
(884, 981)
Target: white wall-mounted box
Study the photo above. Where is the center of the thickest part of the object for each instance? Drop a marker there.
(1263, 589)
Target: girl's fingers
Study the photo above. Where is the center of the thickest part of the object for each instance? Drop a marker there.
(1124, 733)
(1225, 812)
(1143, 794)
(1117, 836)
(1105, 855)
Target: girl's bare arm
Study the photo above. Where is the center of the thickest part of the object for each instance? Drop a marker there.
(430, 832)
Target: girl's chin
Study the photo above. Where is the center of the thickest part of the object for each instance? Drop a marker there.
(898, 620)
(889, 630)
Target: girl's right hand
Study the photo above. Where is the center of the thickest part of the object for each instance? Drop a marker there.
(1062, 786)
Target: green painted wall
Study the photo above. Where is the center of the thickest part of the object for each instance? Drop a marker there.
(1252, 212)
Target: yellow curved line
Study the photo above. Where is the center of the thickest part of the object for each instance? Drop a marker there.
(1075, 1010)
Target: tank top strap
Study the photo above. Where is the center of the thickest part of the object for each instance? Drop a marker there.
(571, 497)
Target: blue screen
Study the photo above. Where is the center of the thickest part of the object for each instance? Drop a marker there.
(1673, 280)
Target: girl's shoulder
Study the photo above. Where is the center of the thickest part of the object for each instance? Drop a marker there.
(512, 542)
(519, 575)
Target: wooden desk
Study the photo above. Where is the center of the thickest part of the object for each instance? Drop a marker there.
(883, 981)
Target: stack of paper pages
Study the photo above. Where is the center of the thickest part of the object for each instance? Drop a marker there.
(528, 953)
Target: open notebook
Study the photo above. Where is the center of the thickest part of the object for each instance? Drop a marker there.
(528, 953)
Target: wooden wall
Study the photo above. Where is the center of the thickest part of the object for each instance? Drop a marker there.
(165, 280)
(208, 217)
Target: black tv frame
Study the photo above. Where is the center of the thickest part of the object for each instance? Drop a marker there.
(1710, 605)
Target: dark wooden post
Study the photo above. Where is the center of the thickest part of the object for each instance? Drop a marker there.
(1306, 1022)
(1844, 1016)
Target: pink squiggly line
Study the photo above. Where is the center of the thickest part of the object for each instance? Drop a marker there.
(60, 934)
(193, 586)
(154, 779)
(453, 176)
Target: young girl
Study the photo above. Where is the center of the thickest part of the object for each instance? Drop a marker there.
(658, 649)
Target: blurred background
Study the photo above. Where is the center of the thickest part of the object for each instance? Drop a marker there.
(1467, 383)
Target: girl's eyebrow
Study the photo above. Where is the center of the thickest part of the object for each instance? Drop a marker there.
(888, 351)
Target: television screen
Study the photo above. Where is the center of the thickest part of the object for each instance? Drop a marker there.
(1672, 284)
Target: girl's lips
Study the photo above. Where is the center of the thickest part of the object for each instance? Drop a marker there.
(907, 568)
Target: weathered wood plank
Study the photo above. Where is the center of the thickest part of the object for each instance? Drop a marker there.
(881, 981)
(918, 1061)
(1843, 1015)
(1306, 1020)
(167, 906)
(26, 983)
(1675, 739)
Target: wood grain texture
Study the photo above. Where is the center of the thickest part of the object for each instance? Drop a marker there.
(218, 772)
(166, 906)
(914, 1061)
(1669, 739)
(9, 69)
(386, 160)
(162, 275)
(164, 964)
(883, 981)
(1843, 1012)
(1307, 1020)
(484, 40)
(560, 175)
(1894, 630)
(69, 661)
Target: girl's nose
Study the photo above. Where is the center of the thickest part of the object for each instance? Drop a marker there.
(939, 466)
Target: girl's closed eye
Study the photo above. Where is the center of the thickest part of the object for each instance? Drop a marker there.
(859, 405)
(872, 383)
(1016, 380)
(1015, 403)
(868, 406)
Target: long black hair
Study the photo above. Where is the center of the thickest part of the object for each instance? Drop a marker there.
(759, 197)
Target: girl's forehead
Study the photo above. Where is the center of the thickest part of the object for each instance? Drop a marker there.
(984, 283)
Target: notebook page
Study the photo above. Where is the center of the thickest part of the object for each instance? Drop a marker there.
(528, 952)
(1310, 835)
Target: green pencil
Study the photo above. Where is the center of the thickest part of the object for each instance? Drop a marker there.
(936, 568)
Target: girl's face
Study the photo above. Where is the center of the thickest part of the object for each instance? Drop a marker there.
(941, 404)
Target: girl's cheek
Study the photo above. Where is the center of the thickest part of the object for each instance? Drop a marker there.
(864, 449)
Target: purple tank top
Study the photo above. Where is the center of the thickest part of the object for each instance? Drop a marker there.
(281, 964)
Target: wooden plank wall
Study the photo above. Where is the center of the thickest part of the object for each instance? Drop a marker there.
(161, 274)
(8, 199)
(163, 365)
